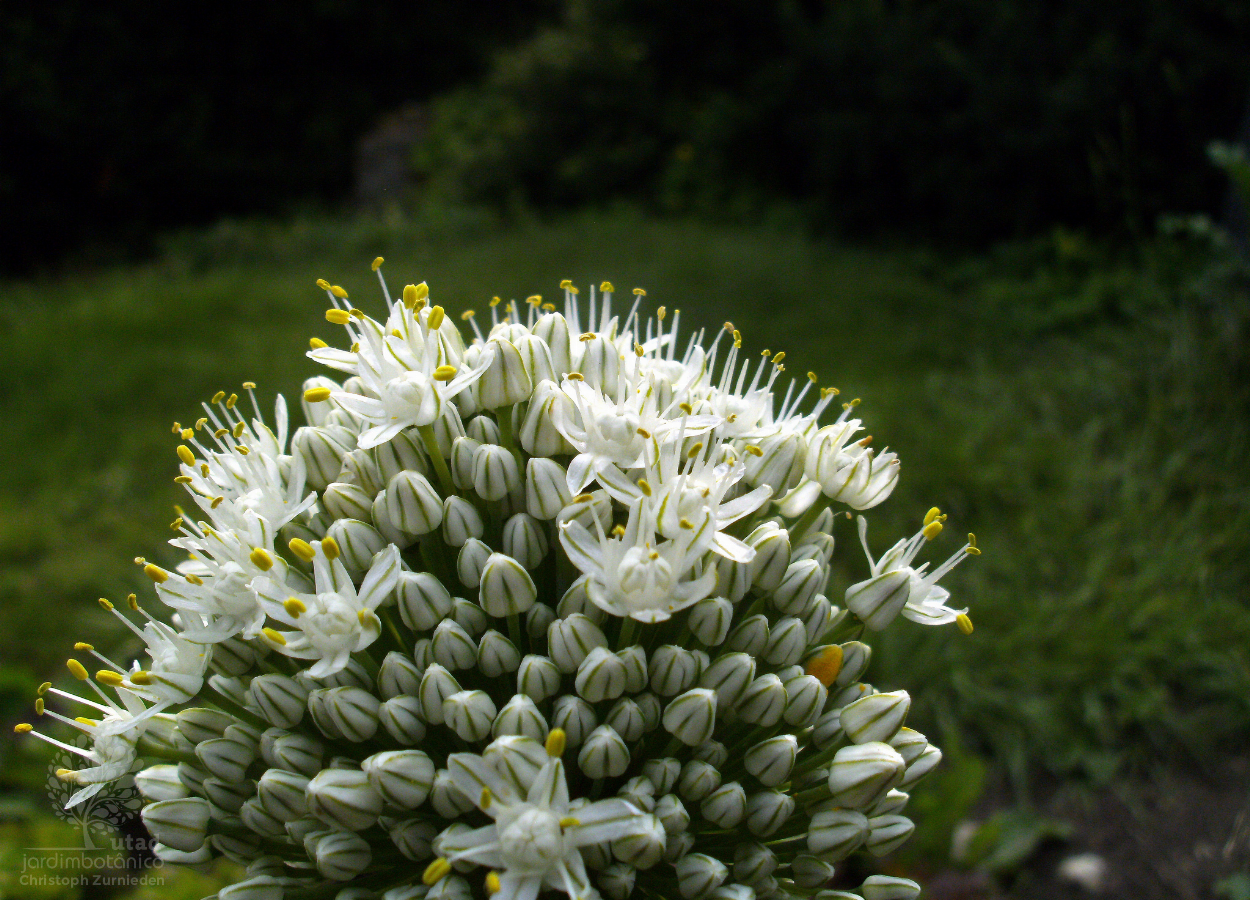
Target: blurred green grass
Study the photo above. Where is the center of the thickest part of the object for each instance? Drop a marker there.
(1084, 412)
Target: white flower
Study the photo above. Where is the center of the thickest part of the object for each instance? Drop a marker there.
(536, 840)
(926, 600)
(334, 620)
(632, 574)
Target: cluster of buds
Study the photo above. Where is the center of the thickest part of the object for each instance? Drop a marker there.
(544, 610)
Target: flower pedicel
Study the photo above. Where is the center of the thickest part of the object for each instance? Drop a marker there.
(543, 611)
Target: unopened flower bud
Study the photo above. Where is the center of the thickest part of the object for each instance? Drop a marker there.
(402, 778)
(772, 760)
(160, 782)
(709, 620)
(805, 699)
(749, 636)
(855, 658)
(228, 796)
(461, 521)
(525, 540)
(887, 833)
(437, 684)
(422, 599)
(810, 872)
(888, 887)
(787, 639)
(698, 875)
(925, 763)
(359, 543)
(483, 429)
(726, 806)
(879, 600)
(625, 717)
(851, 693)
(506, 589)
(413, 837)
(452, 647)
(651, 708)
(538, 677)
(644, 846)
(397, 675)
(401, 717)
(282, 794)
(345, 712)
(733, 578)
(803, 580)
(181, 824)
(496, 655)
(461, 462)
(280, 700)
(875, 718)
(343, 798)
(199, 724)
(538, 433)
(537, 620)
(672, 813)
(678, 845)
(600, 676)
(400, 454)
(575, 717)
(447, 799)
(673, 670)
(295, 752)
(520, 716)
(691, 717)
(517, 758)
(698, 779)
(546, 488)
(603, 754)
(360, 469)
(771, 544)
(909, 743)
(729, 676)
(861, 773)
(617, 881)
(753, 862)
(767, 811)
(322, 449)
(258, 887)
(505, 381)
(763, 702)
(469, 714)
(819, 617)
(410, 505)
(471, 562)
(834, 834)
(495, 472)
(341, 855)
(469, 616)
(570, 640)
(224, 758)
(345, 500)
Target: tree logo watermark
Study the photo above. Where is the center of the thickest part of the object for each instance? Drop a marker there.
(97, 816)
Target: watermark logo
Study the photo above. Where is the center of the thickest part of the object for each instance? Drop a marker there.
(97, 816)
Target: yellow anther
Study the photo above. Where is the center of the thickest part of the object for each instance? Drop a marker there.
(642, 432)
(338, 316)
(249, 385)
(355, 347)
(218, 397)
(231, 401)
(192, 578)
(765, 353)
(105, 605)
(694, 451)
(754, 450)
(638, 351)
(83, 720)
(395, 332)
(588, 336)
(362, 616)
(132, 601)
(811, 376)
(493, 885)
(274, 636)
(932, 530)
(964, 623)
(217, 501)
(302, 549)
(435, 318)
(261, 559)
(337, 291)
(618, 531)
(141, 678)
(238, 429)
(436, 872)
(323, 284)
(972, 549)
(294, 607)
(565, 284)
(729, 327)
(549, 307)
(653, 555)
(534, 300)
(485, 799)
(43, 688)
(110, 678)
(377, 263)
(316, 343)
(573, 290)
(219, 434)
(467, 315)
(204, 469)
(185, 454)
(779, 357)
(83, 647)
(639, 292)
(23, 728)
(583, 498)
(330, 547)
(570, 822)
(644, 486)
(685, 523)
(826, 665)
(931, 515)
(357, 313)
(177, 428)
(575, 376)
(200, 423)
(39, 706)
(495, 301)
(686, 408)
(76, 669)
(186, 434)
(156, 573)
(317, 394)
(444, 373)
(555, 742)
(660, 312)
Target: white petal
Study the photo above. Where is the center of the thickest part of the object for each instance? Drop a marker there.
(605, 820)
(549, 788)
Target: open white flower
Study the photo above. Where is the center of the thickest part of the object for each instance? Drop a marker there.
(536, 840)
